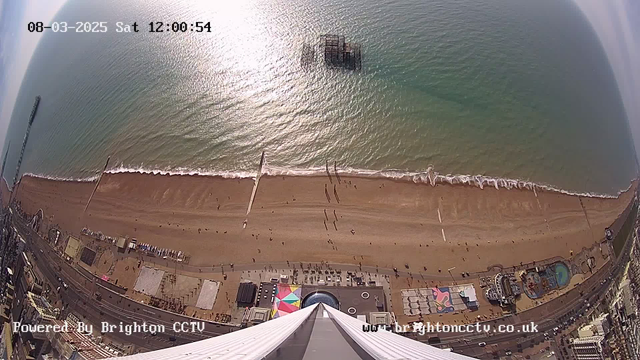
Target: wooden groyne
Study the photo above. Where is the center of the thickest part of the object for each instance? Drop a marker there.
(253, 192)
(97, 184)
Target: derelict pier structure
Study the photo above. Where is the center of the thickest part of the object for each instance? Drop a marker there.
(336, 51)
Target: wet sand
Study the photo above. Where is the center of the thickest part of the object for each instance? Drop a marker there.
(379, 221)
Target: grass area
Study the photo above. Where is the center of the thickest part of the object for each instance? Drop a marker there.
(621, 238)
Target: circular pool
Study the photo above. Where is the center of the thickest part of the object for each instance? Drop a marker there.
(562, 274)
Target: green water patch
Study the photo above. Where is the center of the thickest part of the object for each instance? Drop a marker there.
(562, 274)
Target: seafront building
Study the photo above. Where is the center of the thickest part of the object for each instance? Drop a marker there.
(625, 309)
(599, 326)
(589, 348)
(72, 344)
(503, 289)
(615, 334)
(591, 343)
(633, 329)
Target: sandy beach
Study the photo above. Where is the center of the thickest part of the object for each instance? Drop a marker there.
(351, 220)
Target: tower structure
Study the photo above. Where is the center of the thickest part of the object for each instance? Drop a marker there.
(313, 333)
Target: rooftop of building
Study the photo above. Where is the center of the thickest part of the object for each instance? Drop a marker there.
(588, 340)
(42, 306)
(83, 344)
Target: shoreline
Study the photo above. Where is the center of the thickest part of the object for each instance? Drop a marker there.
(375, 222)
(428, 177)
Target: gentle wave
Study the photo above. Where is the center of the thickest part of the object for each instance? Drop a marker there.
(120, 169)
(60, 178)
(430, 177)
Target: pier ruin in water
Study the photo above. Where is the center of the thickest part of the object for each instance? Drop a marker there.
(336, 51)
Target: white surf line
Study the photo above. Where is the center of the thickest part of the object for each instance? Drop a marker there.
(439, 216)
(253, 192)
(443, 237)
(540, 207)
